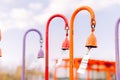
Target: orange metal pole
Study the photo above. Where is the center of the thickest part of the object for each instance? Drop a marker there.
(108, 74)
(55, 73)
(93, 23)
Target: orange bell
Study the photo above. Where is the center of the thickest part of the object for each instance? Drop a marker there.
(0, 53)
(65, 44)
(91, 41)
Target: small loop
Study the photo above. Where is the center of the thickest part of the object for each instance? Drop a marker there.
(41, 41)
(93, 22)
(66, 28)
(92, 28)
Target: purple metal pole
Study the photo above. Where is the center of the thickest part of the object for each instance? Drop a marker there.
(117, 50)
(24, 44)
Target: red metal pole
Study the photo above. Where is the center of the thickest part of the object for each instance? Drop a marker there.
(47, 42)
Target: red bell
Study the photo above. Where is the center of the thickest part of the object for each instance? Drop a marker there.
(65, 44)
(91, 41)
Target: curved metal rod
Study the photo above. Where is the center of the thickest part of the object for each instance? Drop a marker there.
(117, 50)
(47, 43)
(24, 45)
(93, 23)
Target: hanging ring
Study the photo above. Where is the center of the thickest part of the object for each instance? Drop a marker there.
(66, 28)
(41, 42)
(92, 28)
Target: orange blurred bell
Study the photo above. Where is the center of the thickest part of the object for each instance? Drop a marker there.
(0, 53)
(65, 44)
(91, 41)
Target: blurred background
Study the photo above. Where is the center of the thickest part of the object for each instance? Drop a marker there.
(17, 16)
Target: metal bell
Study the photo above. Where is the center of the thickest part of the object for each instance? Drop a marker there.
(65, 44)
(91, 41)
(40, 54)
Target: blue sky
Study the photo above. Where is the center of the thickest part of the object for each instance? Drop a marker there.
(17, 16)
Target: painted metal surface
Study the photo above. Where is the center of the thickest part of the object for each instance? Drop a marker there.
(24, 45)
(93, 23)
(117, 50)
(47, 42)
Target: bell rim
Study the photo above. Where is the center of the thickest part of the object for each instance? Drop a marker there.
(91, 46)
